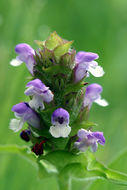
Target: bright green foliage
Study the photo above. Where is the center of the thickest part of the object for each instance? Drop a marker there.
(66, 166)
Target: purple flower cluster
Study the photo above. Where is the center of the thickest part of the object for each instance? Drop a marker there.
(40, 94)
(26, 112)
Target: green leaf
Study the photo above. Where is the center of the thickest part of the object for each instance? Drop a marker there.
(94, 170)
(62, 49)
(81, 166)
(23, 151)
(108, 174)
(53, 41)
(67, 166)
(118, 160)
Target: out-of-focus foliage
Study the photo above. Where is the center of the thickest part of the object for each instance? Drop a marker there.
(98, 26)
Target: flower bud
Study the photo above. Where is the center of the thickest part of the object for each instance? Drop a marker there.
(38, 148)
(25, 135)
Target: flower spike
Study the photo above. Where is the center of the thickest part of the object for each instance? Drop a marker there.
(59, 100)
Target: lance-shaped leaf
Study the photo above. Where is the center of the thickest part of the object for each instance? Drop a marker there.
(109, 174)
(116, 163)
(23, 151)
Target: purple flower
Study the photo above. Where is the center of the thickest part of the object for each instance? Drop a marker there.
(26, 54)
(85, 63)
(39, 92)
(92, 94)
(24, 114)
(89, 138)
(60, 122)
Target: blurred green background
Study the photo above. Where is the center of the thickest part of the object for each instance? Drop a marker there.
(95, 25)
